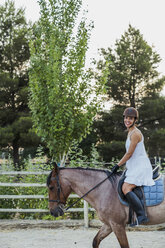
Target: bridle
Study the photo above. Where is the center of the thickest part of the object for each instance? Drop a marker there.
(59, 190)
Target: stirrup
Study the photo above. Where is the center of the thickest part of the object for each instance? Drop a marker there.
(135, 223)
(139, 221)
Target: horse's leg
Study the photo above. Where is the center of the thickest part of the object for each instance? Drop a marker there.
(120, 233)
(102, 233)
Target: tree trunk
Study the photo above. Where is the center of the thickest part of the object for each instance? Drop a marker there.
(16, 155)
(132, 102)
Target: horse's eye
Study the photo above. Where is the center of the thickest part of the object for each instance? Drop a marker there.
(51, 187)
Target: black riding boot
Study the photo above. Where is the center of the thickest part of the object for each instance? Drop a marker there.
(137, 206)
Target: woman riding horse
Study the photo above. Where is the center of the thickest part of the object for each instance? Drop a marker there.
(139, 169)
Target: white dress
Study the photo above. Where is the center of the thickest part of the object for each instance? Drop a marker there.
(139, 169)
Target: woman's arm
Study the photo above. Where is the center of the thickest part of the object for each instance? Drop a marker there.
(135, 139)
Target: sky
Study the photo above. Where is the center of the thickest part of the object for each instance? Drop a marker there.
(112, 18)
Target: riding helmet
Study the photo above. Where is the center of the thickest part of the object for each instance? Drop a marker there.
(131, 112)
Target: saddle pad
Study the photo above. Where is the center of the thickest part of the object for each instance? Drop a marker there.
(154, 195)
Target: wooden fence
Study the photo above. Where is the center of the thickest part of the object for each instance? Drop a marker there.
(85, 209)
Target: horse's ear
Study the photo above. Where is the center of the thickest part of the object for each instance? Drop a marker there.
(55, 168)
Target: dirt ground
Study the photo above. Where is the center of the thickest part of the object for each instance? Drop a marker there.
(75, 237)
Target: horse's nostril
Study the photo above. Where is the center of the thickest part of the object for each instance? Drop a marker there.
(57, 212)
(54, 212)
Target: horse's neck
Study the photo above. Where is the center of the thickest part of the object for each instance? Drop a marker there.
(81, 181)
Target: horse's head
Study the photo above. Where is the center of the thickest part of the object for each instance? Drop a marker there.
(57, 198)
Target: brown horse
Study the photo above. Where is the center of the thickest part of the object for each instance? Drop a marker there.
(104, 198)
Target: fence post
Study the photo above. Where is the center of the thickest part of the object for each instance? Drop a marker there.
(86, 220)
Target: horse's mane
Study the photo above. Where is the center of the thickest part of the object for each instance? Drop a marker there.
(112, 177)
(48, 179)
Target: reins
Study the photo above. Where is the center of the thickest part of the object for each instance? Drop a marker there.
(97, 185)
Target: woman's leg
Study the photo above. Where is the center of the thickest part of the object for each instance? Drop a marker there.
(134, 202)
(127, 187)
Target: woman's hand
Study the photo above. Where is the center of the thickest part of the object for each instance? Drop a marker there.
(115, 168)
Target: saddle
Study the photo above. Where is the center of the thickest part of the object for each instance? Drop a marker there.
(148, 195)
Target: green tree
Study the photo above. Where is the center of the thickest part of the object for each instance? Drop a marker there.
(15, 121)
(130, 69)
(110, 132)
(152, 123)
(60, 88)
(132, 79)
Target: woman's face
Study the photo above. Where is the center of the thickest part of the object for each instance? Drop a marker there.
(128, 121)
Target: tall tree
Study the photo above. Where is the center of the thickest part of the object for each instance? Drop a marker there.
(152, 122)
(130, 69)
(60, 88)
(110, 130)
(15, 121)
(132, 79)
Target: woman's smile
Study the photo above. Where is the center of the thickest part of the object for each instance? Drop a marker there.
(128, 121)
